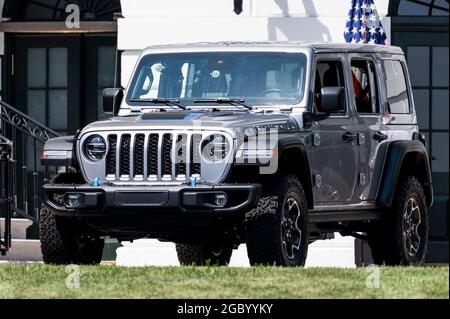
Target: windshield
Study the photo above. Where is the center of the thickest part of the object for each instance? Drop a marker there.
(258, 78)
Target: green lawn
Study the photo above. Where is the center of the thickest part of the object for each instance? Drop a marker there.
(42, 281)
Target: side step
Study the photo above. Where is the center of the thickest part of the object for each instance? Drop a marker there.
(344, 216)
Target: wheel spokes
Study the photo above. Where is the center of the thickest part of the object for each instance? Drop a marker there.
(291, 233)
(411, 222)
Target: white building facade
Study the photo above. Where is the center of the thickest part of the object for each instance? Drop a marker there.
(178, 21)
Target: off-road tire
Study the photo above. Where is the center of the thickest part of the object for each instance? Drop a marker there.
(264, 224)
(67, 241)
(389, 242)
(203, 254)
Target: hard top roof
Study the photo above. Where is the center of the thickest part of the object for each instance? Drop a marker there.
(316, 46)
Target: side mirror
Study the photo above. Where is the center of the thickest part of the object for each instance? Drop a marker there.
(111, 100)
(309, 118)
(332, 99)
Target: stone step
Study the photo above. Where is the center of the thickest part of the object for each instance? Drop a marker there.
(18, 227)
(24, 250)
(30, 250)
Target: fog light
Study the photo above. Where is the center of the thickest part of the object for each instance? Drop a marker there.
(220, 199)
(72, 200)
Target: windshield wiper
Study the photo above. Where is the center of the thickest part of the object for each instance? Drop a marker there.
(157, 100)
(225, 100)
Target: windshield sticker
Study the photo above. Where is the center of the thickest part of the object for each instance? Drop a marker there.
(159, 67)
(215, 74)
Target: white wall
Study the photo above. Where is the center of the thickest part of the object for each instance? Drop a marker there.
(179, 21)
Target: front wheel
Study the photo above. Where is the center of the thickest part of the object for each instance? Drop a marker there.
(67, 241)
(278, 228)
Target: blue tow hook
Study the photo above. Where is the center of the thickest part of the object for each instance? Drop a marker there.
(193, 181)
(96, 182)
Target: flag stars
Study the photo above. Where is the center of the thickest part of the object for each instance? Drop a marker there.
(373, 18)
(363, 24)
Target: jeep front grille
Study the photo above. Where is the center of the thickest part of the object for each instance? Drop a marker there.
(148, 157)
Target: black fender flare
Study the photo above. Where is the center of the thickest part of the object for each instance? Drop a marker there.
(403, 155)
(60, 144)
(302, 169)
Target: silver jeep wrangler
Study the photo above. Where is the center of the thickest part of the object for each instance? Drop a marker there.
(274, 145)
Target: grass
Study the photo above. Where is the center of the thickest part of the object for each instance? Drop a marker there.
(44, 281)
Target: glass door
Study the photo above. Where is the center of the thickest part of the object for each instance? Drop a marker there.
(47, 80)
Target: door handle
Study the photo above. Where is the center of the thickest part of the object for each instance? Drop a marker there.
(379, 137)
(349, 137)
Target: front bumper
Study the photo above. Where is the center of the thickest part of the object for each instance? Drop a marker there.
(111, 199)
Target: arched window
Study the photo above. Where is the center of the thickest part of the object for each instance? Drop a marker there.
(419, 8)
(55, 10)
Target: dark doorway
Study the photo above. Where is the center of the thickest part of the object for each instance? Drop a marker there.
(428, 53)
(58, 80)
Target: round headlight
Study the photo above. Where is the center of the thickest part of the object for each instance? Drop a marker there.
(215, 148)
(95, 147)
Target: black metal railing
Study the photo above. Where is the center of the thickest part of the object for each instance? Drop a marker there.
(24, 175)
(5, 192)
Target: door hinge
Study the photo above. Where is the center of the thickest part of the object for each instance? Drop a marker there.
(316, 139)
(362, 179)
(361, 139)
(317, 180)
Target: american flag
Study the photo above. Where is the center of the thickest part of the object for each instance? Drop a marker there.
(364, 24)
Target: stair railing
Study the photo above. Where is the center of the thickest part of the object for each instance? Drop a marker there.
(22, 171)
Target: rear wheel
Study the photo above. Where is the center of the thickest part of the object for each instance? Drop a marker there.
(67, 241)
(278, 228)
(402, 237)
(218, 254)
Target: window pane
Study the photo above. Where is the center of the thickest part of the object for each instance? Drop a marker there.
(36, 67)
(407, 8)
(328, 74)
(440, 109)
(440, 66)
(258, 77)
(363, 87)
(36, 105)
(440, 153)
(422, 7)
(419, 62)
(442, 4)
(397, 93)
(106, 63)
(58, 67)
(57, 102)
(422, 104)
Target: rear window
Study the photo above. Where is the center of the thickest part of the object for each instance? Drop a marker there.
(396, 88)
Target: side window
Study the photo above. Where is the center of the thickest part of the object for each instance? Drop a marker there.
(328, 74)
(396, 88)
(365, 86)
